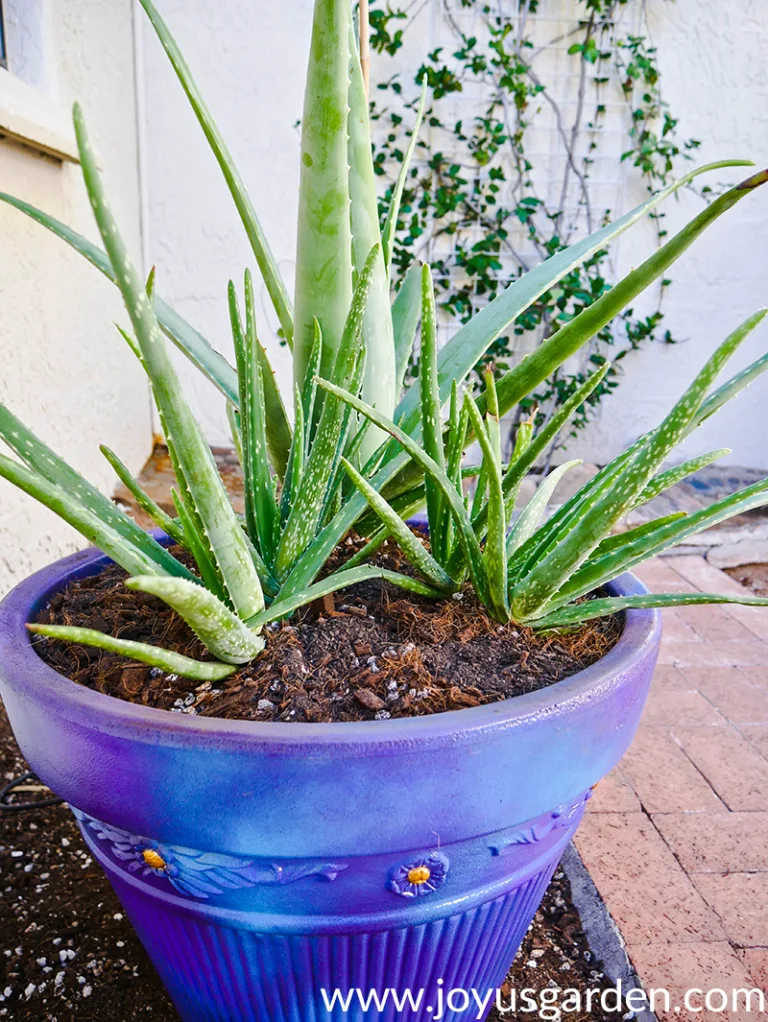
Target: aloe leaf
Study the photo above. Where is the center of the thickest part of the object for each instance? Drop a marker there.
(406, 310)
(533, 512)
(431, 422)
(458, 421)
(521, 380)
(738, 382)
(261, 250)
(672, 476)
(579, 613)
(220, 631)
(552, 571)
(494, 554)
(309, 400)
(467, 346)
(619, 539)
(390, 225)
(410, 544)
(260, 505)
(405, 507)
(324, 248)
(200, 474)
(278, 428)
(197, 545)
(379, 383)
(307, 508)
(188, 340)
(155, 656)
(341, 580)
(639, 547)
(142, 498)
(45, 462)
(471, 546)
(76, 514)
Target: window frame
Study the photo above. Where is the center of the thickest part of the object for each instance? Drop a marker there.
(3, 49)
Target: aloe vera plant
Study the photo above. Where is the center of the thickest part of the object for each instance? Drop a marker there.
(359, 453)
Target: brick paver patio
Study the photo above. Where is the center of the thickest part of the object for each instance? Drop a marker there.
(676, 839)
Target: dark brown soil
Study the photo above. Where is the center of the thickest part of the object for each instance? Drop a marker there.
(753, 576)
(68, 953)
(370, 652)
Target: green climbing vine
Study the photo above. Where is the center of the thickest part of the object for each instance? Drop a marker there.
(475, 206)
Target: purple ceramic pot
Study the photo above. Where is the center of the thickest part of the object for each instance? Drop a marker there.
(262, 864)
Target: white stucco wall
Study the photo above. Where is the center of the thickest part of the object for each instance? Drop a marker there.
(714, 61)
(65, 371)
(249, 59)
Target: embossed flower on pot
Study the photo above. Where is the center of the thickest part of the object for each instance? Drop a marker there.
(422, 876)
(200, 874)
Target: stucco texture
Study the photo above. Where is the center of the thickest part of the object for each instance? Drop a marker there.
(65, 371)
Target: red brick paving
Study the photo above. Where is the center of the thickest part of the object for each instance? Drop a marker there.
(676, 839)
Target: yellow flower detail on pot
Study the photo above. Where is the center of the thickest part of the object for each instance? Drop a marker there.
(419, 875)
(153, 860)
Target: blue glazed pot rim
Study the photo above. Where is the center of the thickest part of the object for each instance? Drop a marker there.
(22, 670)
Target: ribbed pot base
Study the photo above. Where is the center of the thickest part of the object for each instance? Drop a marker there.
(217, 973)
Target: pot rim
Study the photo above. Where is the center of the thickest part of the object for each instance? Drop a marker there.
(28, 675)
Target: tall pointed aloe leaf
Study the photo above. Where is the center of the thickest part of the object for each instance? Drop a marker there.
(410, 544)
(341, 580)
(533, 512)
(390, 226)
(533, 593)
(591, 609)
(672, 476)
(472, 549)
(261, 250)
(521, 380)
(198, 546)
(324, 247)
(142, 498)
(307, 507)
(155, 656)
(260, 505)
(406, 309)
(87, 522)
(494, 555)
(197, 349)
(638, 547)
(45, 462)
(200, 475)
(220, 631)
(464, 350)
(431, 422)
(740, 381)
(379, 383)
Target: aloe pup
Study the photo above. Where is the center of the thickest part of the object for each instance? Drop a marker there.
(358, 450)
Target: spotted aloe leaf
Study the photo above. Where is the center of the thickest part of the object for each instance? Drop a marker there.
(201, 477)
(66, 482)
(406, 310)
(467, 537)
(220, 631)
(379, 382)
(324, 248)
(672, 476)
(261, 250)
(390, 225)
(469, 344)
(533, 512)
(76, 514)
(410, 544)
(150, 507)
(533, 592)
(579, 613)
(307, 506)
(340, 580)
(188, 340)
(154, 656)
(431, 423)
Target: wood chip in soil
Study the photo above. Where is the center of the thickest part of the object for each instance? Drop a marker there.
(372, 652)
(68, 953)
